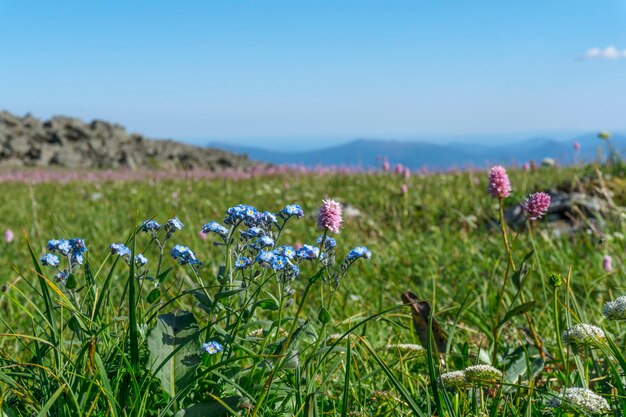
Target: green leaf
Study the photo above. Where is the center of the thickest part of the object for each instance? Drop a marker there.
(204, 302)
(221, 274)
(268, 304)
(521, 309)
(161, 277)
(317, 276)
(521, 271)
(517, 364)
(173, 347)
(226, 294)
(74, 324)
(154, 295)
(211, 408)
(71, 283)
(324, 316)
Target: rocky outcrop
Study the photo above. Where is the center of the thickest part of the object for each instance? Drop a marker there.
(71, 143)
(569, 212)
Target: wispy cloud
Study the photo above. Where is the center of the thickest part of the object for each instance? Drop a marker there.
(610, 52)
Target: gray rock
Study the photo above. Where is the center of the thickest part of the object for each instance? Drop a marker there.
(70, 143)
(568, 212)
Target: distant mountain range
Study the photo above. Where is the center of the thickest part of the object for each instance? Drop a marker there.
(369, 153)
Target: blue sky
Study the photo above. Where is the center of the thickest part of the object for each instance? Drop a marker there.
(316, 71)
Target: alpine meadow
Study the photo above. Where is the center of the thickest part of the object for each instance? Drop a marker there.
(315, 293)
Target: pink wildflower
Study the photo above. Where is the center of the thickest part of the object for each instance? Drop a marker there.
(399, 169)
(203, 235)
(607, 263)
(526, 166)
(386, 165)
(404, 189)
(536, 205)
(499, 184)
(8, 235)
(576, 145)
(329, 216)
(407, 172)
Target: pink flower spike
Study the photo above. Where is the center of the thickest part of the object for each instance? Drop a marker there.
(536, 205)
(576, 145)
(499, 184)
(404, 189)
(399, 169)
(203, 235)
(407, 172)
(329, 216)
(8, 236)
(607, 263)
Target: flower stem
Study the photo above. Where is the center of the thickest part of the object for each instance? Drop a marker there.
(281, 355)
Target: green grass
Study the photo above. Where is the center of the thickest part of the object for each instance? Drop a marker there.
(89, 350)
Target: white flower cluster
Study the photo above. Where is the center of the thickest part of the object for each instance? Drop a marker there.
(471, 374)
(454, 379)
(615, 310)
(583, 334)
(581, 399)
(482, 373)
(407, 347)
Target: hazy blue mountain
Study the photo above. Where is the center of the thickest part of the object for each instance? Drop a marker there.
(369, 152)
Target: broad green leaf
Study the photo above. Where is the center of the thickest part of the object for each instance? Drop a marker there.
(268, 304)
(174, 350)
(71, 283)
(211, 408)
(517, 364)
(324, 316)
(154, 295)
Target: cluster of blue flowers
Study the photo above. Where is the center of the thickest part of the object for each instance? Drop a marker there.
(329, 242)
(307, 252)
(242, 262)
(292, 210)
(215, 227)
(184, 255)
(257, 244)
(140, 260)
(250, 216)
(72, 249)
(150, 226)
(125, 253)
(172, 226)
(49, 260)
(120, 250)
(258, 239)
(277, 262)
(356, 253)
(359, 252)
(212, 347)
